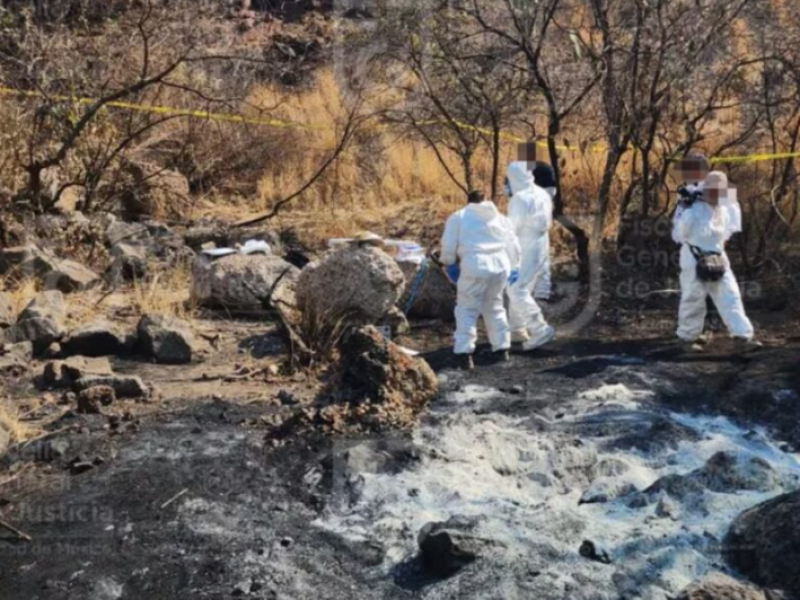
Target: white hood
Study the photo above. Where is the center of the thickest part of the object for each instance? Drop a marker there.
(485, 211)
(519, 177)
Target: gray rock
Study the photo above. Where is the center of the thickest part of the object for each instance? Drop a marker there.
(119, 231)
(25, 261)
(63, 374)
(100, 338)
(428, 294)
(764, 544)
(446, 548)
(41, 322)
(717, 586)
(728, 472)
(91, 400)
(46, 305)
(606, 489)
(130, 261)
(123, 386)
(69, 276)
(357, 285)
(244, 282)
(167, 339)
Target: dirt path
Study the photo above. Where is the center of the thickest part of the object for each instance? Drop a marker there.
(193, 502)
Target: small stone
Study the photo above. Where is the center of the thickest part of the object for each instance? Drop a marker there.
(92, 399)
(590, 551)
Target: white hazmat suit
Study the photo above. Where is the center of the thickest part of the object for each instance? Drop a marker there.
(482, 240)
(708, 228)
(531, 213)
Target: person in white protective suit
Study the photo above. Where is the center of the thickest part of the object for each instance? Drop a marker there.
(702, 228)
(481, 240)
(545, 177)
(531, 213)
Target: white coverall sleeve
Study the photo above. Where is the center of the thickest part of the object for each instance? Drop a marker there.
(449, 253)
(543, 218)
(517, 214)
(676, 219)
(512, 246)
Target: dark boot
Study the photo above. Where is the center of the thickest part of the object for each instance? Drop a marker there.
(466, 363)
(502, 356)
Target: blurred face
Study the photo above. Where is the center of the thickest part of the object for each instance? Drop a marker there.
(527, 153)
(693, 170)
(716, 188)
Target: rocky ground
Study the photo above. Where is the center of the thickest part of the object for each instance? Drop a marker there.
(599, 468)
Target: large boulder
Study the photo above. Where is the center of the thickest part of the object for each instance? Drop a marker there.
(167, 339)
(428, 293)
(100, 338)
(764, 544)
(244, 282)
(69, 276)
(358, 285)
(717, 586)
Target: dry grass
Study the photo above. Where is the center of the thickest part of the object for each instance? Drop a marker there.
(11, 422)
(19, 292)
(167, 292)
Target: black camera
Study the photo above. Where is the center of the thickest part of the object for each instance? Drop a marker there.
(687, 197)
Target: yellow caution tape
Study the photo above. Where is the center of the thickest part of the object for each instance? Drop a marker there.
(237, 118)
(169, 111)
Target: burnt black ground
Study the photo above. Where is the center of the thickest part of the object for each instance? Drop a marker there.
(196, 504)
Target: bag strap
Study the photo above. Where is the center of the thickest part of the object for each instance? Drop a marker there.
(699, 253)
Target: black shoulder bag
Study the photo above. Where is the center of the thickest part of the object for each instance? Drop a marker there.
(710, 265)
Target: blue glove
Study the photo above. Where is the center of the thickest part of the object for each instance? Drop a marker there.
(514, 277)
(453, 272)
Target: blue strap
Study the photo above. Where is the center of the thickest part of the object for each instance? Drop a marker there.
(416, 286)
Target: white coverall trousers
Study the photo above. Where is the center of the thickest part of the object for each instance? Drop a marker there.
(523, 312)
(543, 288)
(480, 294)
(724, 293)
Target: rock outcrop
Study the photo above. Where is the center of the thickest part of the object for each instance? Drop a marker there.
(356, 285)
(764, 544)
